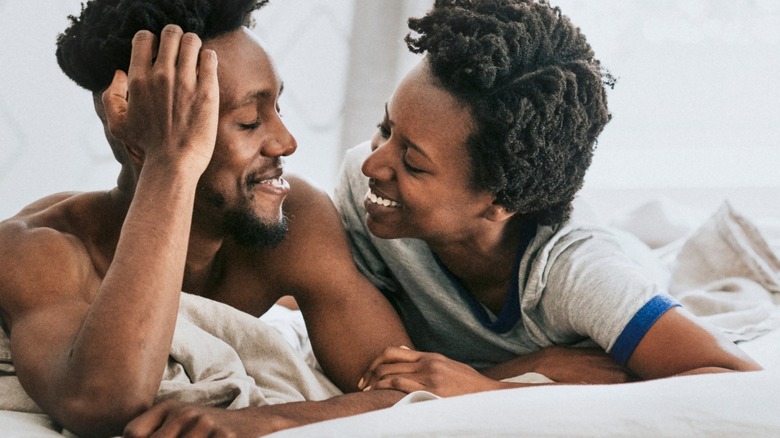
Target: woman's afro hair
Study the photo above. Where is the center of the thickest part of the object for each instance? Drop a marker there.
(98, 42)
(535, 91)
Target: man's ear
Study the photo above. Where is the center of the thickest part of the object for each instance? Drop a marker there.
(116, 146)
(498, 213)
(97, 102)
(111, 108)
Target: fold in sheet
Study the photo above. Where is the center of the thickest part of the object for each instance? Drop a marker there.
(728, 274)
(220, 356)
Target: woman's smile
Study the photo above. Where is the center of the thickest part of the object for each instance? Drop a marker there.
(381, 200)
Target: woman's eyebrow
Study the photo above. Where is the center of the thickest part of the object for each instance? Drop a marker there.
(406, 141)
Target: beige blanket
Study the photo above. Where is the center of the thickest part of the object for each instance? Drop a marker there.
(726, 273)
(219, 357)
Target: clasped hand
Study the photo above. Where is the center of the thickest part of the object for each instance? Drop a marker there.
(406, 370)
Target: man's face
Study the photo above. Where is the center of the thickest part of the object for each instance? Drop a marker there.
(242, 189)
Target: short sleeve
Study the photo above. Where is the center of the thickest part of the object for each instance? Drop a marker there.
(589, 287)
(638, 326)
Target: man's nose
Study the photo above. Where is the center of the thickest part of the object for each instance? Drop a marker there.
(281, 144)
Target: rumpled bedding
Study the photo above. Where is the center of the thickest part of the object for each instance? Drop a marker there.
(724, 271)
(219, 357)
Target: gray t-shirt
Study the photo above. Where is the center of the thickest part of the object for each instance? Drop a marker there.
(577, 286)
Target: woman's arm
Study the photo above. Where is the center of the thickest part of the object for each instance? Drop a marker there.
(679, 344)
(564, 365)
(407, 370)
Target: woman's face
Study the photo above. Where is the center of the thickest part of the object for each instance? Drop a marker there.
(419, 170)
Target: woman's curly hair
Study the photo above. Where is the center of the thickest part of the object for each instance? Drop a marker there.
(98, 42)
(535, 90)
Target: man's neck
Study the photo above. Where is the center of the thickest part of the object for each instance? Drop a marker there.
(204, 266)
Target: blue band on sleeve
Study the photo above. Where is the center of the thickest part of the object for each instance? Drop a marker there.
(639, 325)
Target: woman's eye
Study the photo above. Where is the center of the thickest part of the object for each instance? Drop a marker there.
(384, 131)
(409, 168)
(250, 126)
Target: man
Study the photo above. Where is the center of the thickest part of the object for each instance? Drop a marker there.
(91, 282)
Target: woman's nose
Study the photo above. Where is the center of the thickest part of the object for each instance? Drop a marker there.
(378, 165)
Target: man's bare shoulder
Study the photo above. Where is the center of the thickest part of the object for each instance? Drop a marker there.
(303, 190)
(50, 214)
(309, 208)
(41, 258)
(316, 248)
(46, 202)
(314, 224)
(313, 262)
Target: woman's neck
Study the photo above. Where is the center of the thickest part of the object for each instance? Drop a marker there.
(485, 262)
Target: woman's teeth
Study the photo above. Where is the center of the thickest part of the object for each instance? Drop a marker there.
(380, 200)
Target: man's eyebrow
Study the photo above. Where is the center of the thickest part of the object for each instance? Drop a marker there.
(406, 141)
(254, 96)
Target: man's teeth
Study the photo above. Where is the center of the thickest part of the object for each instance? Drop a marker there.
(279, 183)
(381, 201)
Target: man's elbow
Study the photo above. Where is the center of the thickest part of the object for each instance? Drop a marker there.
(104, 415)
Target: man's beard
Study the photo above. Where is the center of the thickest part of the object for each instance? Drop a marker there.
(250, 231)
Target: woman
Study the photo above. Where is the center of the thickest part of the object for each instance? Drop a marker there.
(460, 214)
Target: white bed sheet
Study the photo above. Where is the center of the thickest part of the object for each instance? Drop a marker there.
(714, 405)
(727, 405)
(733, 405)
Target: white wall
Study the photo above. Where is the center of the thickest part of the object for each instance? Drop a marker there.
(50, 139)
(697, 102)
(696, 110)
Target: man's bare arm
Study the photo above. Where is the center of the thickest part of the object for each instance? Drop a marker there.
(348, 319)
(91, 351)
(173, 418)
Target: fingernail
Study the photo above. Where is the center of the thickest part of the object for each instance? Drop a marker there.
(366, 388)
(405, 347)
(361, 382)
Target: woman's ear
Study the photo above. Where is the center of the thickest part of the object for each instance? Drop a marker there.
(498, 213)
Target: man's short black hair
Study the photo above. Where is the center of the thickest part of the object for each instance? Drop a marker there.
(98, 41)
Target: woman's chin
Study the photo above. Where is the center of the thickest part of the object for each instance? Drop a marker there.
(381, 230)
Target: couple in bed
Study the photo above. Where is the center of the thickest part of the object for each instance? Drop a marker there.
(457, 212)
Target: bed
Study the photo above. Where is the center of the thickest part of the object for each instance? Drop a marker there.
(720, 259)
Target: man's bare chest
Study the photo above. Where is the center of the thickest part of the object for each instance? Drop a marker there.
(247, 289)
